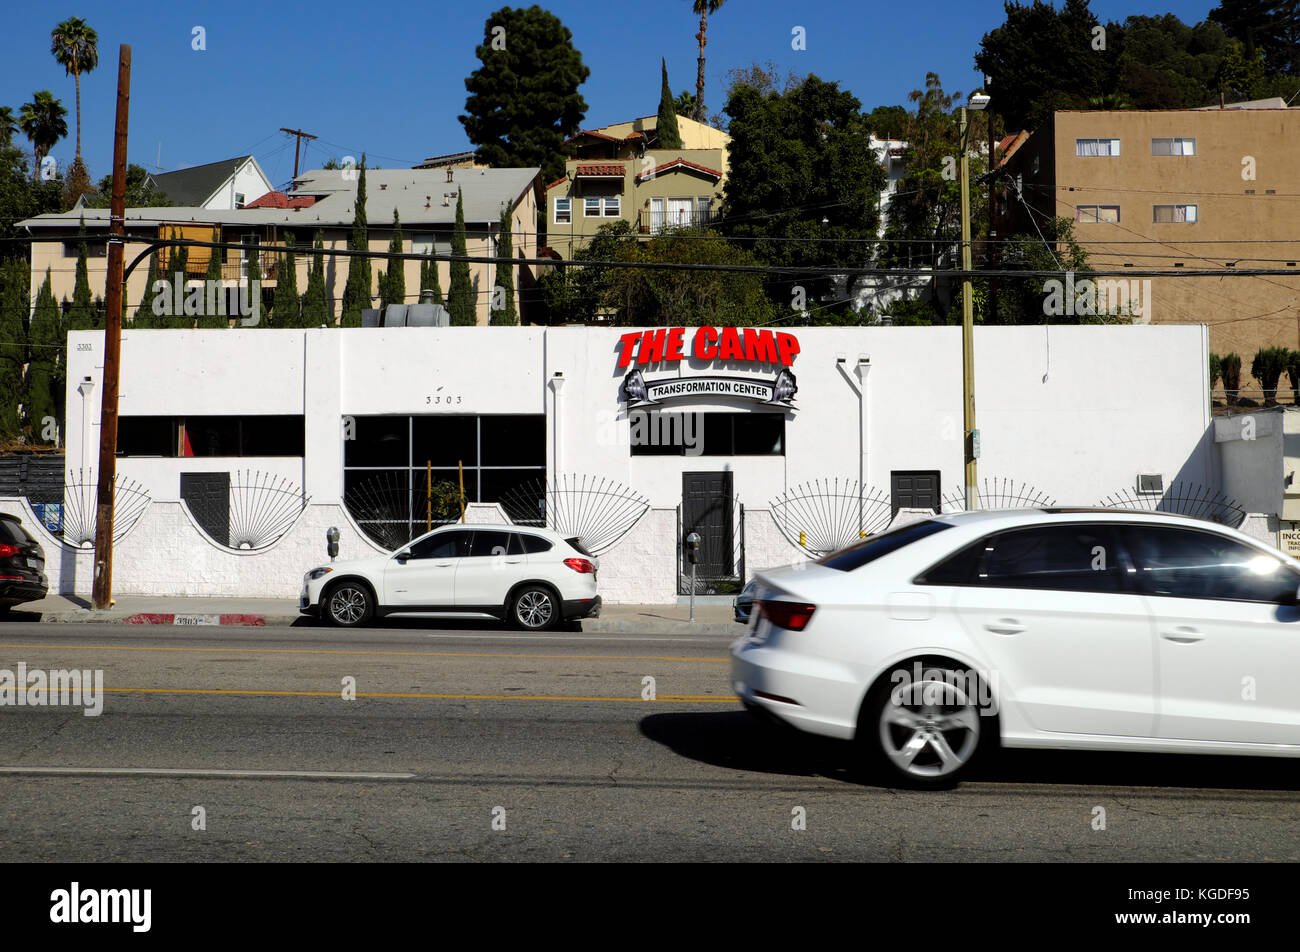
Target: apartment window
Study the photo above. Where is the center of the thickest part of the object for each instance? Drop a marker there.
(1091, 147)
(237, 436)
(612, 207)
(1173, 146)
(1093, 214)
(1163, 214)
(591, 207)
(239, 199)
(563, 211)
(703, 209)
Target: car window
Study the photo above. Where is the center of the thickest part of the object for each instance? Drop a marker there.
(874, 547)
(13, 533)
(489, 543)
(1067, 558)
(958, 569)
(443, 545)
(534, 544)
(1188, 563)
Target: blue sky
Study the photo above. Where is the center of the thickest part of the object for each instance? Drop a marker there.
(388, 78)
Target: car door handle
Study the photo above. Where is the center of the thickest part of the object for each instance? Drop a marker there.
(1005, 626)
(1183, 635)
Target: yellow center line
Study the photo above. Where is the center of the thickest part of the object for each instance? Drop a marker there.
(666, 698)
(346, 651)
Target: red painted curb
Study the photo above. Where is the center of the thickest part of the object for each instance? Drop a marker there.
(169, 618)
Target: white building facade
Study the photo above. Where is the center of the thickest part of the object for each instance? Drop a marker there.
(239, 448)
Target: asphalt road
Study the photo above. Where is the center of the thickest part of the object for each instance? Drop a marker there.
(455, 733)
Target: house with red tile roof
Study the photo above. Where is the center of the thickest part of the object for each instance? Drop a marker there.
(620, 172)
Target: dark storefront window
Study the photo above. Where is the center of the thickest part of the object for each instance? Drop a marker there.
(679, 433)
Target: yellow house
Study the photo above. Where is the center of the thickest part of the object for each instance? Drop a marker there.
(619, 172)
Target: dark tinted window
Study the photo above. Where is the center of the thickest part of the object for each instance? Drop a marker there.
(443, 545)
(534, 543)
(488, 543)
(1185, 563)
(13, 533)
(1077, 558)
(956, 569)
(868, 550)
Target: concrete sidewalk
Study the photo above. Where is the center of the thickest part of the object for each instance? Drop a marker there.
(186, 610)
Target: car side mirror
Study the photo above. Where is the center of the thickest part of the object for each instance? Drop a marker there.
(402, 556)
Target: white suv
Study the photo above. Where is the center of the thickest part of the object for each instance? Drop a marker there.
(530, 577)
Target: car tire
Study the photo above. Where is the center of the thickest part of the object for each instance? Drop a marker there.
(535, 608)
(927, 733)
(347, 605)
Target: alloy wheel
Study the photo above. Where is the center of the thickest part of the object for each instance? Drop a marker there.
(929, 729)
(534, 609)
(348, 605)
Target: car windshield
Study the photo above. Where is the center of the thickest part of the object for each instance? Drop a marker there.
(877, 546)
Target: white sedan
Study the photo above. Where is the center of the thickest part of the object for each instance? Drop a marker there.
(530, 577)
(1048, 628)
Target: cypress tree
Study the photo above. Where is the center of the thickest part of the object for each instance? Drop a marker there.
(257, 317)
(460, 299)
(179, 265)
(505, 281)
(47, 346)
(13, 343)
(144, 315)
(82, 315)
(315, 305)
(287, 312)
(429, 280)
(217, 318)
(356, 293)
(392, 289)
(667, 134)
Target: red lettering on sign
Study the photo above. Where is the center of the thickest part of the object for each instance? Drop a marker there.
(652, 347)
(760, 346)
(674, 351)
(627, 343)
(788, 345)
(706, 340)
(729, 347)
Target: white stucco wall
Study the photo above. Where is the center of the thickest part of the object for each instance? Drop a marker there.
(1075, 412)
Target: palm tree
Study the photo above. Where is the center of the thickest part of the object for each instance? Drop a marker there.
(8, 125)
(73, 44)
(43, 122)
(703, 8)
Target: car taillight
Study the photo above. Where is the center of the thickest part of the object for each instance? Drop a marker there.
(581, 566)
(7, 550)
(792, 616)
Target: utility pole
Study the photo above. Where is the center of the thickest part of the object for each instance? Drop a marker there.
(993, 217)
(297, 145)
(970, 434)
(103, 577)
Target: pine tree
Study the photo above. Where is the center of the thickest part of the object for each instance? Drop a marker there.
(505, 281)
(287, 311)
(356, 293)
(43, 374)
(81, 316)
(667, 134)
(13, 343)
(315, 305)
(144, 315)
(392, 289)
(460, 299)
(217, 316)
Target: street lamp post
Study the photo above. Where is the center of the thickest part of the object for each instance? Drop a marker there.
(970, 434)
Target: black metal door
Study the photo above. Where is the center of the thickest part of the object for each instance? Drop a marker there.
(914, 489)
(707, 506)
(208, 496)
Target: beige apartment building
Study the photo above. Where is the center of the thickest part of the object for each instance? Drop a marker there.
(619, 172)
(1205, 189)
(320, 201)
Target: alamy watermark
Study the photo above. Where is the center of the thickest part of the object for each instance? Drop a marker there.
(56, 688)
(178, 298)
(934, 686)
(1104, 297)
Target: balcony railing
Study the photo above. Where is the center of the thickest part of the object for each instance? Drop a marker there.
(655, 222)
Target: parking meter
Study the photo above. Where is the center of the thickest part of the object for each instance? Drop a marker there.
(693, 548)
(332, 542)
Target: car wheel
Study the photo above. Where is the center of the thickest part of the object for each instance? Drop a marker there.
(535, 609)
(926, 724)
(349, 605)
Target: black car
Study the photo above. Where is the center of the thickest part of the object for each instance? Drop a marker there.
(743, 603)
(22, 564)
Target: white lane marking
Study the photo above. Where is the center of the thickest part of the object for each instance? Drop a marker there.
(205, 772)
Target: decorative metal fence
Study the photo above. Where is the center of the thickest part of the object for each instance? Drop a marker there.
(1183, 498)
(391, 513)
(597, 510)
(824, 515)
(72, 516)
(999, 493)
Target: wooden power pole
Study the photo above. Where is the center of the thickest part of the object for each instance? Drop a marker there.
(297, 145)
(103, 580)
